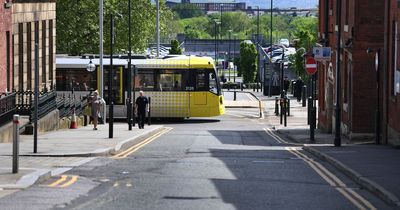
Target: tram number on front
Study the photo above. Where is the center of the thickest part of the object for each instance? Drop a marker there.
(189, 88)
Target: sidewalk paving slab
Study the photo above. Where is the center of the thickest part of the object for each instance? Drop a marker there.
(60, 151)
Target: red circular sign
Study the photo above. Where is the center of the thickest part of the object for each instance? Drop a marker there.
(311, 66)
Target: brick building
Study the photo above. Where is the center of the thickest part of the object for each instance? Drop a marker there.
(5, 46)
(362, 27)
(33, 20)
(391, 121)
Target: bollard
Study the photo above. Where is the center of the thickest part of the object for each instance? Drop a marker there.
(304, 95)
(254, 88)
(276, 106)
(309, 108)
(241, 86)
(15, 143)
(149, 117)
(234, 95)
(284, 111)
(288, 106)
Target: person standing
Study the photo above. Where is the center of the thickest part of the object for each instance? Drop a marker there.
(141, 108)
(286, 84)
(299, 87)
(95, 108)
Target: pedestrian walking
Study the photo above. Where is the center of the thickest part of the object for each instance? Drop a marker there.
(286, 84)
(95, 108)
(141, 108)
(298, 89)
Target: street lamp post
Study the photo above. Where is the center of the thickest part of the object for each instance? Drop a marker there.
(229, 56)
(110, 80)
(270, 60)
(216, 22)
(101, 78)
(258, 46)
(337, 141)
(129, 100)
(234, 51)
(377, 111)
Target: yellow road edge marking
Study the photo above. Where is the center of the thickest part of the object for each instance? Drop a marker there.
(137, 146)
(70, 182)
(60, 180)
(334, 181)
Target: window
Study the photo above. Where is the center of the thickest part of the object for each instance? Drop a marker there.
(144, 80)
(8, 61)
(51, 60)
(169, 81)
(21, 56)
(213, 83)
(44, 75)
(201, 81)
(29, 55)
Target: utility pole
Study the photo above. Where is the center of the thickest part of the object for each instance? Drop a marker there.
(258, 46)
(101, 80)
(129, 101)
(338, 88)
(158, 27)
(270, 61)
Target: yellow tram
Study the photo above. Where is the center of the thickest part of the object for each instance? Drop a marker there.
(179, 86)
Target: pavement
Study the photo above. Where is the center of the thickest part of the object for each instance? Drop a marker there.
(61, 150)
(373, 167)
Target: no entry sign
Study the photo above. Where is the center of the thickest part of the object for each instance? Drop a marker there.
(311, 66)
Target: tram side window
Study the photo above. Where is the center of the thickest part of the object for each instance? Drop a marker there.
(169, 82)
(145, 81)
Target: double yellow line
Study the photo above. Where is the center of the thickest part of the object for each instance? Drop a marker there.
(136, 147)
(334, 181)
(63, 181)
(274, 136)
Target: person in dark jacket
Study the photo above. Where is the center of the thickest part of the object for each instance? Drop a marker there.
(286, 84)
(141, 108)
(298, 89)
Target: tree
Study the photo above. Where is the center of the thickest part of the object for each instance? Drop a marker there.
(248, 61)
(175, 49)
(187, 10)
(78, 28)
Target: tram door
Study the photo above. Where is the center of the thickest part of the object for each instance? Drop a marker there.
(200, 96)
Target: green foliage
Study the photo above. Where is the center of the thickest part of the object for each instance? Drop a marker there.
(248, 61)
(305, 34)
(78, 25)
(187, 10)
(175, 49)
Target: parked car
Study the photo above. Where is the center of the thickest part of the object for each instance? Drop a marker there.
(284, 42)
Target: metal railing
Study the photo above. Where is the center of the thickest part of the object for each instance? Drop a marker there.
(68, 104)
(7, 107)
(24, 102)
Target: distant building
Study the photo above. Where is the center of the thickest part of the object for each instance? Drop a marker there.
(213, 5)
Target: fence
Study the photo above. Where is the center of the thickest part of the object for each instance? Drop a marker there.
(7, 107)
(68, 104)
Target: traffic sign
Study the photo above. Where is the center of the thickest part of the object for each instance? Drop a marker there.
(311, 66)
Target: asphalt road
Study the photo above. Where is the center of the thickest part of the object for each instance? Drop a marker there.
(229, 162)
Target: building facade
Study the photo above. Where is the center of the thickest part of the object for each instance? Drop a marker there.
(392, 71)
(33, 21)
(5, 46)
(362, 26)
